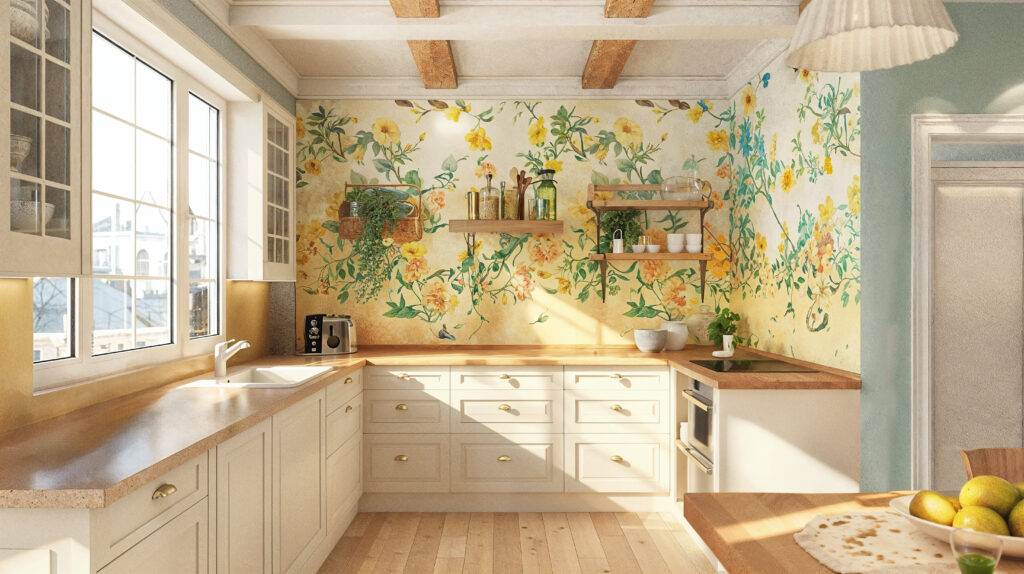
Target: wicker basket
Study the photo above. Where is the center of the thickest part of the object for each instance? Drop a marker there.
(409, 228)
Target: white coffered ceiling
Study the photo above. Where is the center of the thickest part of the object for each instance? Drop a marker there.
(509, 48)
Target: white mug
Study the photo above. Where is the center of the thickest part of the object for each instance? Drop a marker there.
(617, 243)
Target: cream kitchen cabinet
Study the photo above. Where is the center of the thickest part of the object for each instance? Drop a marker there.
(40, 110)
(179, 547)
(243, 524)
(406, 463)
(617, 463)
(261, 192)
(511, 463)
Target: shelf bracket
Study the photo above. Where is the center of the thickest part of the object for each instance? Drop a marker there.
(703, 277)
(604, 280)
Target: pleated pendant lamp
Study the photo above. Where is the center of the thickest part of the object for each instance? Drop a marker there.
(863, 35)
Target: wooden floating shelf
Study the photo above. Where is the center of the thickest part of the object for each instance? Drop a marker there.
(648, 204)
(510, 226)
(650, 256)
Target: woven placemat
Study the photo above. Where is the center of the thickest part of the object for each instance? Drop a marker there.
(874, 542)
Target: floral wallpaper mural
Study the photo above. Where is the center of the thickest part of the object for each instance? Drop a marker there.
(783, 233)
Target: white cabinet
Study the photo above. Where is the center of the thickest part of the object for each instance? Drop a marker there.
(179, 547)
(406, 411)
(513, 463)
(507, 411)
(299, 493)
(40, 103)
(244, 502)
(406, 463)
(261, 196)
(617, 463)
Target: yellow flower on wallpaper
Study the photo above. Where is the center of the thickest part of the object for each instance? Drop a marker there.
(601, 154)
(544, 249)
(385, 132)
(628, 133)
(463, 255)
(453, 112)
(415, 269)
(388, 241)
(695, 114)
(359, 154)
(334, 205)
(522, 283)
(435, 296)
(312, 167)
(788, 180)
(749, 99)
(673, 296)
(808, 76)
(537, 132)
(413, 249)
(434, 201)
(300, 128)
(816, 132)
(774, 149)
(853, 195)
(478, 140)
(718, 140)
(485, 169)
(453, 302)
(827, 210)
(564, 285)
(761, 242)
(653, 270)
(721, 261)
(828, 165)
(553, 164)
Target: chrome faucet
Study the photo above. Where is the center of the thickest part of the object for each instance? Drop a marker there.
(224, 351)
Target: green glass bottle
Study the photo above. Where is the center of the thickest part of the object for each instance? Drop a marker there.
(546, 191)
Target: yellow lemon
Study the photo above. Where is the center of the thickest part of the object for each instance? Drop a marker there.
(1016, 520)
(989, 491)
(982, 519)
(955, 501)
(933, 507)
(1020, 488)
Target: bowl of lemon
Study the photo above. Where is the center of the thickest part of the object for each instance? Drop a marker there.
(986, 504)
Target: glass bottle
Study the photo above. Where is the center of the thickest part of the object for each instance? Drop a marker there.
(546, 191)
(489, 201)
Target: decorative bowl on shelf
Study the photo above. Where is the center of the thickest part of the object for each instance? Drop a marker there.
(21, 146)
(25, 215)
(650, 340)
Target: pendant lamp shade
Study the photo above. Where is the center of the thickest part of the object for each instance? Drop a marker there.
(862, 35)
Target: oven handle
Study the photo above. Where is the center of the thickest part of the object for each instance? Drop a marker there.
(697, 400)
(698, 459)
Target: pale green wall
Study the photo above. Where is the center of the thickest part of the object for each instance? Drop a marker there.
(983, 73)
(190, 15)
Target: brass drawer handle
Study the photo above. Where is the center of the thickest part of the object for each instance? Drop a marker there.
(616, 376)
(403, 376)
(504, 407)
(348, 408)
(348, 381)
(164, 491)
(615, 458)
(504, 458)
(401, 458)
(505, 376)
(616, 408)
(401, 407)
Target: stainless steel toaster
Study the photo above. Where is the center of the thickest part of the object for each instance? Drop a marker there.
(329, 335)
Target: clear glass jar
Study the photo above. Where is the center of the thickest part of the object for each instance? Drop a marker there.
(546, 191)
(489, 201)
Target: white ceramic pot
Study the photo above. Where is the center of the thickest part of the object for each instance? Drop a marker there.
(677, 335)
(727, 344)
(675, 242)
(650, 340)
(693, 248)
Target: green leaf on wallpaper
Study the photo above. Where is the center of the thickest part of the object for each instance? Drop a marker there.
(654, 178)
(342, 297)
(301, 184)
(542, 318)
(413, 178)
(584, 295)
(550, 290)
(845, 298)
(382, 165)
(330, 225)
(624, 165)
(598, 178)
(309, 291)
(450, 164)
(357, 178)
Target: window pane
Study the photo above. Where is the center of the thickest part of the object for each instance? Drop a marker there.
(203, 314)
(113, 157)
(202, 249)
(113, 79)
(111, 316)
(52, 316)
(198, 126)
(153, 237)
(199, 192)
(153, 180)
(204, 226)
(152, 313)
(113, 236)
(153, 91)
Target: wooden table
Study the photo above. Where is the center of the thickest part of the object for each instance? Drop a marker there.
(753, 533)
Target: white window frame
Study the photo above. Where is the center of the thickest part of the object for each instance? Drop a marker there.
(83, 367)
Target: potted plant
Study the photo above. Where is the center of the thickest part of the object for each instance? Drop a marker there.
(723, 328)
(628, 220)
(379, 213)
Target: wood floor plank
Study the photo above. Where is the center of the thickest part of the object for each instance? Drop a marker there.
(453, 537)
(340, 555)
(560, 544)
(668, 545)
(644, 548)
(584, 536)
(533, 543)
(479, 544)
(448, 566)
(606, 524)
(423, 554)
(508, 558)
(594, 566)
(621, 559)
(398, 544)
(359, 524)
(354, 561)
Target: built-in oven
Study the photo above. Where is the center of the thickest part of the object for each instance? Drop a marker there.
(698, 445)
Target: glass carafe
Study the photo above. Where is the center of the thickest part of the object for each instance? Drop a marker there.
(546, 191)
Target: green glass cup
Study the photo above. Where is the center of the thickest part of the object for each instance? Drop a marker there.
(976, 552)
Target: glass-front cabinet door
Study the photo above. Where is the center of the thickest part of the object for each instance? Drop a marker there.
(40, 218)
(279, 200)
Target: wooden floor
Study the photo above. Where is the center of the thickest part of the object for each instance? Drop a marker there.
(526, 543)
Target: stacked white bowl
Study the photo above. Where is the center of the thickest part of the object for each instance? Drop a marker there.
(693, 243)
(676, 242)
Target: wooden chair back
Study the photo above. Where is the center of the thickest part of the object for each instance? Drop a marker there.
(1007, 463)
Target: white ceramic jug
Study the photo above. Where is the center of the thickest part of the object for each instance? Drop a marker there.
(677, 335)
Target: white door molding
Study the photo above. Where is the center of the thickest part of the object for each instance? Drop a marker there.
(928, 129)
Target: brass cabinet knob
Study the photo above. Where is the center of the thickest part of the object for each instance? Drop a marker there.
(164, 491)
(616, 408)
(504, 458)
(403, 376)
(615, 458)
(505, 376)
(401, 407)
(348, 380)
(616, 376)
(504, 407)
(348, 408)
(401, 458)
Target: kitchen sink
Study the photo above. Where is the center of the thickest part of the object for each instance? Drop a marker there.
(264, 378)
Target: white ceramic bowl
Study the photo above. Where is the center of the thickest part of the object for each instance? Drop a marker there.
(693, 248)
(675, 247)
(653, 248)
(693, 238)
(24, 215)
(639, 248)
(1012, 546)
(650, 340)
(21, 146)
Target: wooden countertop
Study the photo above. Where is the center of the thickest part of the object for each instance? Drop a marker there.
(94, 456)
(753, 533)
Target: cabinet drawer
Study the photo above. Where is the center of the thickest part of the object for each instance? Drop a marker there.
(617, 463)
(344, 423)
(515, 463)
(621, 378)
(405, 463)
(410, 378)
(405, 411)
(179, 547)
(121, 525)
(344, 480)
(612, 412)
(507, 411)
(501, 378)
(342, 391)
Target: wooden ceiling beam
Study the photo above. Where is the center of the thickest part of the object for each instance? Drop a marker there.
(608, 58)
(434, 58)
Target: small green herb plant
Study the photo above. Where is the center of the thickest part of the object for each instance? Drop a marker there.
(379, 213)
(724, 324)
(628, 220)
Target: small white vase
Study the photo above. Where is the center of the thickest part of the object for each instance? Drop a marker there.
(727, 344)
(677, 334)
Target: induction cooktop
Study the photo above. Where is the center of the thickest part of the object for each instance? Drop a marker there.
(753, 365)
